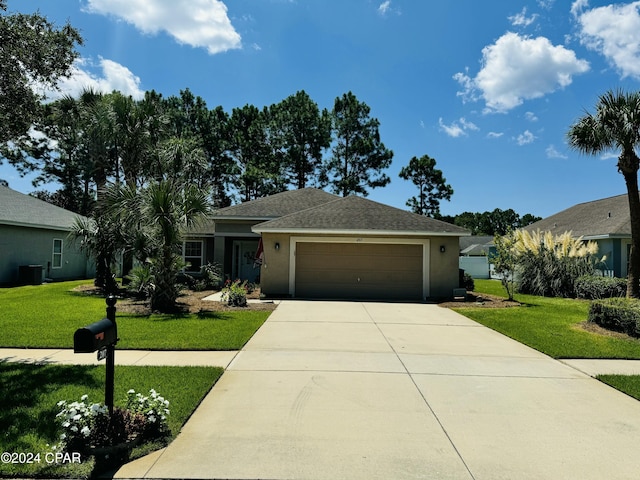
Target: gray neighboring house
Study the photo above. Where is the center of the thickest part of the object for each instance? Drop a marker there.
(33, 241)
(605, 221)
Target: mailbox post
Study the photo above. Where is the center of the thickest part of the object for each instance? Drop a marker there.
(102, 337)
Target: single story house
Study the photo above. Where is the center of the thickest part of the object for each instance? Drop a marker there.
(33, 241)
(226, 237)
(605, 221)
(315, 244)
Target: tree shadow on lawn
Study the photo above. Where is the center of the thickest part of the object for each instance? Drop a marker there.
(21, 387)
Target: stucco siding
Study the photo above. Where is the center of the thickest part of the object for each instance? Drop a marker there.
(274, 274)
(35, 246)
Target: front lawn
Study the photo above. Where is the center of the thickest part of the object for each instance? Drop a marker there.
(29, 394)
(550, 325)
(46, 316)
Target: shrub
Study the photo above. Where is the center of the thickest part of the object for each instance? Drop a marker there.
(235, 293)
(89, 426)
(618, 314)
(468, 282)
(549, 265)
(593, 287)
(211, 278)
(141, 281)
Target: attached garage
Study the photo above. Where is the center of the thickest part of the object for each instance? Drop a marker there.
(358, 270)
(354, 248)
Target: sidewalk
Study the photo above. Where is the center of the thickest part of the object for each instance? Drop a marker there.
(122, 357)
(591, 367)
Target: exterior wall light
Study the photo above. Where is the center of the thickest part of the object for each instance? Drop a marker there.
(277, 246)
(442, 249)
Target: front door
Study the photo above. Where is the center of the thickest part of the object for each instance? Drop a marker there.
(244, 254)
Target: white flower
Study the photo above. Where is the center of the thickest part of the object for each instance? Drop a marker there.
(74, 429)
(84, 397)
(152, 419)
(63, 436)
(66, 424)
(131, 392)
(85, 431)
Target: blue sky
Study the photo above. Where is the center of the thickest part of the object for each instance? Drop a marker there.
(488, 89)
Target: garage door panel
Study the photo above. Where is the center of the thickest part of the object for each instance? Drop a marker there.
(357, 270)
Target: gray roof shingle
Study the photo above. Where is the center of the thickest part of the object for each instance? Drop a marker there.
(23, 210)
(608, 217)
(355, 214)
(277, 205)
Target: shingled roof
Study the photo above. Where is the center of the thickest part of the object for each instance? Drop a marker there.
(356, 215)
(608, 217)
(26, 211)
(277, 205)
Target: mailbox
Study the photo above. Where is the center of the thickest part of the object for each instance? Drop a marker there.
(102, 333)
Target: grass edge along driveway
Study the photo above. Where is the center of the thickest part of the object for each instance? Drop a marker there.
(550, 325)
(46, 316)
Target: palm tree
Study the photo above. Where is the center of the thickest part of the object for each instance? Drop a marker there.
(160, 213)
(616, 125)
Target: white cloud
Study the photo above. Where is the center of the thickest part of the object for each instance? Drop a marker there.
(113, 76)
(552, 152)
(525, 138)
(609, 156)
(459, 128)
(517, 68)
(531, 116)
(614, 32)
(521, 19)
(546, 4)
(383, 8)
(198, 23)
(495, 134)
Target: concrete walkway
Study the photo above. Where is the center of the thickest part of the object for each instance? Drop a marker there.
(122, 357)
(339, 390)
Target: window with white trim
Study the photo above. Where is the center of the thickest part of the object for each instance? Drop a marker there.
(193, 255)
(56, 259)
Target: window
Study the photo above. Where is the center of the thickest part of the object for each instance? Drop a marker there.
(57, 253)
(193, 255)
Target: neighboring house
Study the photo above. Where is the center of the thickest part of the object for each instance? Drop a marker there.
(604, 221)
(319, 245)
(34, 243)
(474, 255)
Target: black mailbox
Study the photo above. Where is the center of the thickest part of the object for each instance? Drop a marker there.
(102, 333)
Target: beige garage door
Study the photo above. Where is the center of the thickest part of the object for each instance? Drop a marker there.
(356, 270)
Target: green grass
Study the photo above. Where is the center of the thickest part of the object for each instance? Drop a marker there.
(549, 325)
(46, 316)
(629, 384)
(29, 394)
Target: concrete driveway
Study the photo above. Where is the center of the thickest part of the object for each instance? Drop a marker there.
(353, 390)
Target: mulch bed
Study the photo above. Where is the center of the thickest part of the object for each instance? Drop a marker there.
(480, 300)
(188, 302)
